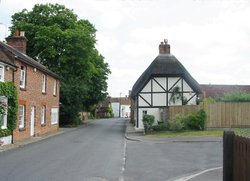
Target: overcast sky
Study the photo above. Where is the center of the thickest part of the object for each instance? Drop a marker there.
(211, 38)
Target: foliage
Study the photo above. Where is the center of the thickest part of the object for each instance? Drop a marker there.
(5, 132)
(9, 90)
(110, 112)
(148, 121)
(176, 95)
(208, 100)
(160, 127)
(196, 121)
(178, 123)
(238, 96)
(3, 108)
(65, 44)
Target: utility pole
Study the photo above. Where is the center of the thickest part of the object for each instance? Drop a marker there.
(120, 105)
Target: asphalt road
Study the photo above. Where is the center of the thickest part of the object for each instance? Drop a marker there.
(99, 152)
(93, 153)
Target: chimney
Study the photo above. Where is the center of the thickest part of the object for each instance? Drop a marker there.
(18, 41)
(164, 47)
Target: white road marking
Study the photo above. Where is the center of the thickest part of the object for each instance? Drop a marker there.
(197, 174)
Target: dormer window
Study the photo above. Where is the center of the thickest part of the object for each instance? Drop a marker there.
(43, 83)
(1, 73)
(23, 77)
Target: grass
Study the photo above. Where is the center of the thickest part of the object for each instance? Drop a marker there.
(242, 131)
(188, 133)
(218, 132)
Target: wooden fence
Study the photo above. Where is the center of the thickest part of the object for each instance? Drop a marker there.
(236, 157)
(220, 114)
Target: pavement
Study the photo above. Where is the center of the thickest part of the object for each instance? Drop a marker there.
(212, 174)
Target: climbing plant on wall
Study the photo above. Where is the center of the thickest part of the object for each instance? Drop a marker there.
(9, 90)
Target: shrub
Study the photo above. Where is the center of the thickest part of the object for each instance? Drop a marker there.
(239, 96)
(197, 121)
(160, 127)
(148, 121)
(178, 123)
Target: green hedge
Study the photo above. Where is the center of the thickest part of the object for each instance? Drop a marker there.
(9, 90)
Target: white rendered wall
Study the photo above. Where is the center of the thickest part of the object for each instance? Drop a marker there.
(150, 111)
(115, 108)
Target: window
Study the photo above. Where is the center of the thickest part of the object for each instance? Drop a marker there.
(43, 115)
(54, 88)
(21, 116)
(144, 113)
(54, 115)
(23, 77)
(1, 73)
(3, 114)
(43, 83)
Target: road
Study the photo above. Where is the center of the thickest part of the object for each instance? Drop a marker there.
(99, 152)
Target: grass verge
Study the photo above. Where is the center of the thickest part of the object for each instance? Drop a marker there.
(188, 133)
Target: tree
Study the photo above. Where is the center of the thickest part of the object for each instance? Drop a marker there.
(238, 96)
(65, 44)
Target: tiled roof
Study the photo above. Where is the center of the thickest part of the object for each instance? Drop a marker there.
(26, 59)
(215, 91)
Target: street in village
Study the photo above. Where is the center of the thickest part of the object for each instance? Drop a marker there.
(99, 151)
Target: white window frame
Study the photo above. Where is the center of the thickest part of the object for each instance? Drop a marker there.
(1, 73)
(43, 115)
(54, 115)
(23, 76)
(54, 87)
(21, 118)
(43, 83)
(3, 117)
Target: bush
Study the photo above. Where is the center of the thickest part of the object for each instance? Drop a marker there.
(197, 121)
(178, 123)
(160, 127)
(5, 132)
(148, 121)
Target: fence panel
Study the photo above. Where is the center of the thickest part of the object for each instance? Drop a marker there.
(220, 114)
(241, 159)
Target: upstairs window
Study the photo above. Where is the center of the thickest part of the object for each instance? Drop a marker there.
(43, 83)
(1, 73)
(23, 77)
(54, 87)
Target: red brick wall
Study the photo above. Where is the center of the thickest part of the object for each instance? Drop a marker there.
(32, 96)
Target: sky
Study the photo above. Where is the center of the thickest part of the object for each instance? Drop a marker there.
(211, 38)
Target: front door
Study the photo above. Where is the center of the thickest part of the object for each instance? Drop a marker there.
(32, 121)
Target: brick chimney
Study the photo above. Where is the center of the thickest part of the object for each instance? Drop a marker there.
(18, 41)
(164, 47)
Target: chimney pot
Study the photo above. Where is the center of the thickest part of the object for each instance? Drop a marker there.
(19, 41)
(164, 48)
(22, 33)
(17, 33)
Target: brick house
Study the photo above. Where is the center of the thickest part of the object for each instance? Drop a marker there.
(38, 89)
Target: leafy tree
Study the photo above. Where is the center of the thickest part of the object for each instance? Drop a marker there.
(65, 44)
(238, 96)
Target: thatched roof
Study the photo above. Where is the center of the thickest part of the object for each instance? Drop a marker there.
(164, 65)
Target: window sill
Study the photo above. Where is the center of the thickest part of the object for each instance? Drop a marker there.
(21, 129)
(22, 89)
